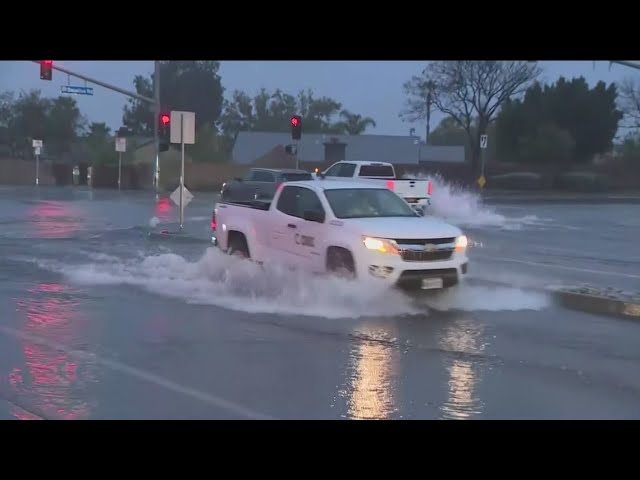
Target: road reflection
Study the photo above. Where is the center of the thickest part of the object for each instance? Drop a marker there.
(51, 219)
(163, 210)
(49, 380)
(462, 335)
(373, 366)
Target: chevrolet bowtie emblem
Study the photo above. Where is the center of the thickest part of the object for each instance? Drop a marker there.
(430, 247)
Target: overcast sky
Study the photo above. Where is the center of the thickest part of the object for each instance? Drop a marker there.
(370, 88)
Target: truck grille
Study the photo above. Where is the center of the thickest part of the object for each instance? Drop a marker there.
(426, 250)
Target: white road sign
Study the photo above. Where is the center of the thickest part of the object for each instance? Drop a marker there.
(37, 150)
(186, 197)
(121, 144)
(483, 141)
(180, 121)
(37, 144)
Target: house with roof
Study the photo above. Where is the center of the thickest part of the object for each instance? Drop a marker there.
(319, 148)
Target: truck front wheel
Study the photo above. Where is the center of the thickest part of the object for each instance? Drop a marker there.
(340, 262)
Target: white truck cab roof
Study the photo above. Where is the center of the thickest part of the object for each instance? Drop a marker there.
(320, 184)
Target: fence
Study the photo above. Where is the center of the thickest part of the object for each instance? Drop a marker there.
(210, 176)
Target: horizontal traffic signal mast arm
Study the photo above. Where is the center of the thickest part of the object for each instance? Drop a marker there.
(101, 84)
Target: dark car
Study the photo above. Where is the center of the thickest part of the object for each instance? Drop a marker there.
(259, 184)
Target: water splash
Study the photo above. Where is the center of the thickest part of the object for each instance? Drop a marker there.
(463, 207)
(228, 282)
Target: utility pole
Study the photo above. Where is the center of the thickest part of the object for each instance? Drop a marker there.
(156, 115)
(430, 88)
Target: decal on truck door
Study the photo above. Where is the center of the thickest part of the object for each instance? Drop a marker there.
(305, 240)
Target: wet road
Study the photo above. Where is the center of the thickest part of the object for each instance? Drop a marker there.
(100, 321)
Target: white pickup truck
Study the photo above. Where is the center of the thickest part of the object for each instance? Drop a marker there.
(345, 227)
(417, 193)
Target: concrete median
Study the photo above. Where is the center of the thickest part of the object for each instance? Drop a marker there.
(601, 301)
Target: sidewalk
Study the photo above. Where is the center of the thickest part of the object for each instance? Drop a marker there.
(510, 196)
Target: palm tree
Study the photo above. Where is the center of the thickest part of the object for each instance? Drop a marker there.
(354, 124)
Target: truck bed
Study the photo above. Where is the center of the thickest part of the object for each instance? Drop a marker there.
(255, 204)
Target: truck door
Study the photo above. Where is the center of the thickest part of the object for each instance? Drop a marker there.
(297, 241)
(284, 225)
(309, 241)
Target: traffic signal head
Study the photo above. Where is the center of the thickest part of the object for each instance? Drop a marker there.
(46, 69)
(164, 131)
(296, 127)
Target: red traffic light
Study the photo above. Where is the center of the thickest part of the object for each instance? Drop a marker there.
(165, 119)
(295, 120)
(46, 69)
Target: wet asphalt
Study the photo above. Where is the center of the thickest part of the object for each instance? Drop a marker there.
(100, 321)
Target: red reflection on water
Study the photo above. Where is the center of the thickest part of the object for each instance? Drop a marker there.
(54, 220)
(49, 378)
(163, 205)
(163, 209)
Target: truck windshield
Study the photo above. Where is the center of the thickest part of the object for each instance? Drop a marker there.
(367, 203)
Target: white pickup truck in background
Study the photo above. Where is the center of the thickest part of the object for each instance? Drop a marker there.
(354, 228)
(416, 193)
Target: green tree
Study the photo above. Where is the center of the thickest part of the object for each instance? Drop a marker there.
(64, 124)
(353, 123)
(448, 133)
(28, 120)
(210, 146)
(7, 100)
(193, 86)
(98, 130)
(271, 112)
(6, 115)
(548, 144)
(589, 115)
(630, 147)
(469, 92)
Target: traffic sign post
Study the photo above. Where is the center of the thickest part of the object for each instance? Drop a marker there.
(483, 146)
(183, 131)
(121, 147)
(296, 135)
(37, 146)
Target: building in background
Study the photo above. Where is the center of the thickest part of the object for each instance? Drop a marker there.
(250, 147)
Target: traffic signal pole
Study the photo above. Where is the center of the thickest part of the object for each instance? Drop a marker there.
(156, 115)
(128, 93)
(153, 101)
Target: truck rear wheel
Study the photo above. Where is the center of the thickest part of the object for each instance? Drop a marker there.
(238, 245)
(340, 263)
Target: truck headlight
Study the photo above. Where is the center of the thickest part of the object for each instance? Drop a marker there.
(461, 243)
(381, 245)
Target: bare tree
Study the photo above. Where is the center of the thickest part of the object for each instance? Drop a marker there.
(470, 92)
(629, 102)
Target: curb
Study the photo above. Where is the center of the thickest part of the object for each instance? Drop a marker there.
(585, 299)
(560, 200)
(599, 303)
(179, 237)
